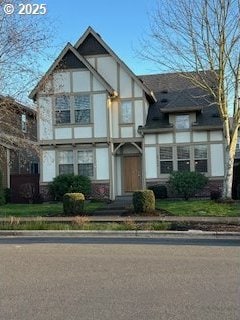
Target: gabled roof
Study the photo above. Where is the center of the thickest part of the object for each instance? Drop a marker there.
(82, 60)
(177, 94)
(8, 100)
(107, 49)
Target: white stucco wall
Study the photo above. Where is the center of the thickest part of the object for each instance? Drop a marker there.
(216, 136)
(81, 81)
(199, 136)
(115, 124)
(84, 132)
(182, 137)
(48, 165)
(138, 105)
(61, 82)
(151, 162)
(97, 86)
(138, 92)
(125, 84)
(102, 163)
(126, 132)
(45, 120)
(150, 138)
(63, 133)
(217, 159)
(165, 138)
(100, 115)
(107, 67)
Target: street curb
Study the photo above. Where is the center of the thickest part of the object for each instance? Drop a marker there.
(198, 234)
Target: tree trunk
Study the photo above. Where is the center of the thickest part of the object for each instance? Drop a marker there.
(228, 177)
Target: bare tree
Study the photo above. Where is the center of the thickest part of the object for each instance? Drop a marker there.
(23, 43)
(202, 35)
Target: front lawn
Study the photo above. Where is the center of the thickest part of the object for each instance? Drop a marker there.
(199, 208)
(45, 209)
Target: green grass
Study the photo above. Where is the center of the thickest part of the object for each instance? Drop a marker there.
(123, 226)
(45, 209)
(199, 208)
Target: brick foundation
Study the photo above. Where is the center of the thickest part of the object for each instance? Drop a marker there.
(100, 191)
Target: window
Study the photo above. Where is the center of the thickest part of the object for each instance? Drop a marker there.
(183, 158)
(200, 158)
(82, 109)
(62, 109)
(166, 160)
(182, 122)
(24, 122)
(126, 112)
(66, 162)
(85, 163)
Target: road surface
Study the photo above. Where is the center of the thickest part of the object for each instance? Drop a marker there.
(101, 279)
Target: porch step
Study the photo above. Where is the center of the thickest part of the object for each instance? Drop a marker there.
(109, 212)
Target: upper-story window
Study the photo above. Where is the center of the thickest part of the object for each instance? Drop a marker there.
(73, 109)
(82, 109)
(62, 109)
(24, 122)
(182, 121)
(126, 112)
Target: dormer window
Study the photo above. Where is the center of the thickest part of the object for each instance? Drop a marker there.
(24, 122)
(182, 121)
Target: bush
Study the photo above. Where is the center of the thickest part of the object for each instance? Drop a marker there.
(7, 195)
(73, 203)
(215, 194)
(159, 190)
(69, 183)
(2, 196)
(144, 201)
(187, 183)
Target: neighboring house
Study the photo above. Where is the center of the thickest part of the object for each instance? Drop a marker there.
(97, 118)
(18, 124)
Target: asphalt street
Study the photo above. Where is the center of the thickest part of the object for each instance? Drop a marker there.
(101, 279)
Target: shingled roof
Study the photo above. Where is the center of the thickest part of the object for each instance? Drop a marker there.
(176, 93)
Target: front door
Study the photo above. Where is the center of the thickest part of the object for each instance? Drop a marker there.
(132, 173)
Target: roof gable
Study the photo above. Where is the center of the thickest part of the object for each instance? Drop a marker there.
(90, 34)
(90, 46)
(72, 58)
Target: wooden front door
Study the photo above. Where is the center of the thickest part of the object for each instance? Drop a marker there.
(132, 173)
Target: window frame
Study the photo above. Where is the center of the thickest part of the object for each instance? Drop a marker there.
(75, 160)
(92, 163)
(170, 160)
(177, 121)
(24, 122)
(200, 158)
(122, 121)
(72, 109)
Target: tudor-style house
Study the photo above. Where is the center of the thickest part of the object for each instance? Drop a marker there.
(97, 118)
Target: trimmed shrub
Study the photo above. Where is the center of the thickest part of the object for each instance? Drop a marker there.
(7, 195)
(2, 196)
(73, 203)
(69, 183)
(187, 183)
(215, 194)
(144, 201)
(159, 190)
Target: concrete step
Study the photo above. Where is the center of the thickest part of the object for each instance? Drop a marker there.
(125, 198)
(109, 212)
